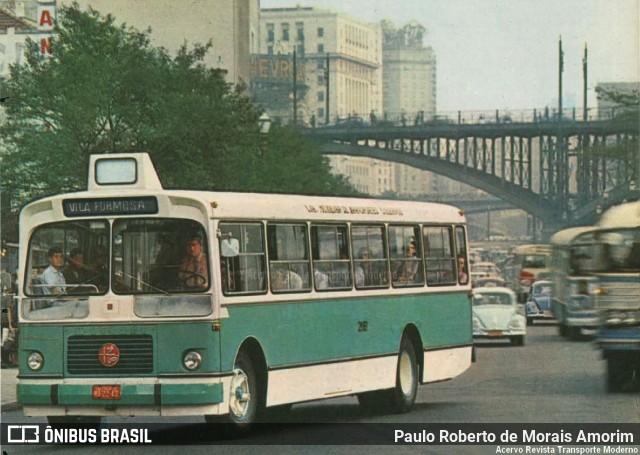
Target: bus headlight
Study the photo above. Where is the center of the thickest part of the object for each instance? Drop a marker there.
(35, 361)
(192, 360)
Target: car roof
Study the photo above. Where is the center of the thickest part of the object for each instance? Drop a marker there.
(494, 290)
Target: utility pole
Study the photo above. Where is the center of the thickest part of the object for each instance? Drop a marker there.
(326, 80)
(584, 84)
(560, 70)
(295, 89)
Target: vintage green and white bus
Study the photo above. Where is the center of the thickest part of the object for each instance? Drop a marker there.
(222, 305)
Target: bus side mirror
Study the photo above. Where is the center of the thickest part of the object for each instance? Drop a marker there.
(229, 248)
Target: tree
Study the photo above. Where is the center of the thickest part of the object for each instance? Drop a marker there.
(105, 89)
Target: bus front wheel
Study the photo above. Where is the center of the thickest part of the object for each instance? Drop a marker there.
(622, 371)
(243, 399)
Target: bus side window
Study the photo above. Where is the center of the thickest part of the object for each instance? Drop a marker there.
(330, 254)
(461, 255)
(405, 250)
(439, 255)
(289, 268)
(242, 258)
(371, 269)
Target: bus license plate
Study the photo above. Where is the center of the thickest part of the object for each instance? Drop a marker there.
(105, 392)
(495, 333)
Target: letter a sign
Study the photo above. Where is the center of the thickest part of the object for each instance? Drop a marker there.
(46, 20)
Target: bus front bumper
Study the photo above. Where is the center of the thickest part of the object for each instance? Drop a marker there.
(119, 397)
(583, 319)
(619, 339)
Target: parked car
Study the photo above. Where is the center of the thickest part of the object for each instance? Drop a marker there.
(538, 304)
(496, 315)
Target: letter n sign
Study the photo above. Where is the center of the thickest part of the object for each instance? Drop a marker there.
(46, 20)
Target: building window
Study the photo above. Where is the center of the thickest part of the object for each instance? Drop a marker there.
(320, 79)
(270, 33)
(300, 50)
(300, 31)
(285, 32)
(320, 48)
(321, 112)
(320, 32)
(320, 96)
(270, 50)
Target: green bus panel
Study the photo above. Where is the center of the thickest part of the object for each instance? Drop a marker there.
(327, 330)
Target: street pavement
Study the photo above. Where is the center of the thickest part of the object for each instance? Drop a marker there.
(8, 391)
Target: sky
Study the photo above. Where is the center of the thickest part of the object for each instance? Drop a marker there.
(503, 54)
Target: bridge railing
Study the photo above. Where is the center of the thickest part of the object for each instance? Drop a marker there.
(496, 116)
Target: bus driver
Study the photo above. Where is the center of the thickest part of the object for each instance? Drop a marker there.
(194, 271)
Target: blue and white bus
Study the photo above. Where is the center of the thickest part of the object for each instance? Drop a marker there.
(618, 295)
(222, 305)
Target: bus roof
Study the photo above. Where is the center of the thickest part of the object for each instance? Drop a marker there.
(621, 216)
(111, 181)
(532, 249)
(567, 236)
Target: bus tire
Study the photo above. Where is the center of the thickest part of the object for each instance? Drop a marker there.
(244, 395)
(574, 333)
(401, 398)
(562, 330)
(619, 372)
(406, 389)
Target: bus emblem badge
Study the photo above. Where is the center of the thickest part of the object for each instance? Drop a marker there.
(109, 354)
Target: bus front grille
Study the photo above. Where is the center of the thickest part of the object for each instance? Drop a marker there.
(134, 354)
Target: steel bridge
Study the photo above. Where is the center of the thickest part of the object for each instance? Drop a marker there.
(561, 172)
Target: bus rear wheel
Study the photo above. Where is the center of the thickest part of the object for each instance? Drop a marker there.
(406, 390)
(401, 398)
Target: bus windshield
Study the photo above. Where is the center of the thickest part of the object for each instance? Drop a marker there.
(620, 250)
(69, 262)
(611, 251)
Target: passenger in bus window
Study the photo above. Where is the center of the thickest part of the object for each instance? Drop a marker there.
(286, 279)
(406, 272)
(53, 278)
(463, 277)
(76, 272)
(320, 278)
(99, 270)
(363, 269)
(194, 271)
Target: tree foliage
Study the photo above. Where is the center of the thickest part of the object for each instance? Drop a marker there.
(106, 89)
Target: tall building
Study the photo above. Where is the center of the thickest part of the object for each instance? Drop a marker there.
(338, 65)
(409, 68)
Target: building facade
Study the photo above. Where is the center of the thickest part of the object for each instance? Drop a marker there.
(409, 68)
(338, 63)
(230, 25)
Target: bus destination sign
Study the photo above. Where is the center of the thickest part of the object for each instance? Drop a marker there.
(144, 205)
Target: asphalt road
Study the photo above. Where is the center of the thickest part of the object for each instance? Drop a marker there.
(549, 380)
